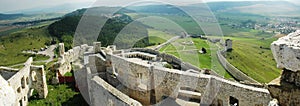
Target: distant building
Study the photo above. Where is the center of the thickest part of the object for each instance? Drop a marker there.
(228, 45)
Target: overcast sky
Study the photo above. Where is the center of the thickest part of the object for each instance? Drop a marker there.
(15, 5)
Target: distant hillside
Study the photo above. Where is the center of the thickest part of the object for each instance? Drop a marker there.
(267, 8)
(65, 28)
(10, 16)
(161, 9)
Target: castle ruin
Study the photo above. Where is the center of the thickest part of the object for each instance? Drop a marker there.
(16, 86)
(136, 77)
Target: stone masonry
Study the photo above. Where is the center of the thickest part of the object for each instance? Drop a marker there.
(16, 88)
(286, 51)
(129, 77)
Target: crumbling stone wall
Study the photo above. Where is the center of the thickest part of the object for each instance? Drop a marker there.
(145, 83)
(211, 87)
(167, 83)
(286, 51)
(66, 59)
(133, 76)
(26, 80)
(106, 95)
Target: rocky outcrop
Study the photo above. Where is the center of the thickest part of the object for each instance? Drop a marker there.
(286, 51)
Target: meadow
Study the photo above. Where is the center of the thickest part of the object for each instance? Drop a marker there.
(31, 38)
(254, 58)
(191, 54)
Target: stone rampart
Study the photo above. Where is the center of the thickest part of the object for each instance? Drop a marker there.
(236, 73)
(167, 83)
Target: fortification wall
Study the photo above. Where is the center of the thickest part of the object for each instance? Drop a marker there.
(168, 82)
(236, 73)
(67, 58)
(133, 75)
(106, 95)
(210, 87)
(25, 80)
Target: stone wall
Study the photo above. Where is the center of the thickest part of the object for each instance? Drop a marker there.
(236, 73)
(211, 87)
(128, 81)
(106, 95)
(66, 59)
(286, 51)
(7, 93)
(133, 76)
(26, 80)
(168, 82)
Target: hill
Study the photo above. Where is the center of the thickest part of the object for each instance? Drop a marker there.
(265, 8)
(117, 24)
(10, 16)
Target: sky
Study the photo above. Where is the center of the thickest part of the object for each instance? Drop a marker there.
(7, 6)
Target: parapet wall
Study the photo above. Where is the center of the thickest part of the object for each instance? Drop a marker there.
(168, 82)
(66, 59)
(236, 73)
(103, 93)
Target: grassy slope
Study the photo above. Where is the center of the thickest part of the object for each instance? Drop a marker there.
(158, 37)
(12, 45)
(254, 61)
(208, 60)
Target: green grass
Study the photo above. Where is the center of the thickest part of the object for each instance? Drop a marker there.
(254, 58)
(169, 23)
(58, 95)
(189, 53)
(61, 94)
(157, 37)
(12, 45)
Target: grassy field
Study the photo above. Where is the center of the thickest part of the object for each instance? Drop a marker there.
(12, 45)
(254, 58)
(189, 53)
(157, 37)
(169, 23)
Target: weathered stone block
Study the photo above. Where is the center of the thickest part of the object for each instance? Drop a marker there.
(291, 77)
(286, 51)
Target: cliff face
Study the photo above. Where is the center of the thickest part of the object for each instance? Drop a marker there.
(286, 51)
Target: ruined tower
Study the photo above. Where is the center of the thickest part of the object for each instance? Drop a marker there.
(228, 45)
